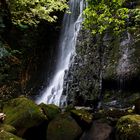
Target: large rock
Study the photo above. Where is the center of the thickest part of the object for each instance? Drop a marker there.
(51, 110)
(98, 131)
(128, 128)
(63, 127)
(22, 113)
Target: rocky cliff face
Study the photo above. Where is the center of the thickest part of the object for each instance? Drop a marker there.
(83, 78)
(109, 73)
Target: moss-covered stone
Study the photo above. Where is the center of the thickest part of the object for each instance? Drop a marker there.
(22, 113)
(63, 127)
(128, 128)
(83, 117)
(113, 113)
(8, 136)
(51, 111)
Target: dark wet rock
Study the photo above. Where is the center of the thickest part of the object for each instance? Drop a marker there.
(23, 114)
(51, 110)
(98, 131)
(82, 83)
(128, 128)
(137, 106)
(63, 127)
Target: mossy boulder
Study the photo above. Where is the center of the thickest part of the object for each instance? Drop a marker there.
(7, 128)
(8, 136)
(128, 128)
(83, 117)
(63, 127)
(22, 113)
(51, 110)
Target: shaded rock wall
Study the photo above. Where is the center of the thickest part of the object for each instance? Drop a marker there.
(108, 72)
(83, 78)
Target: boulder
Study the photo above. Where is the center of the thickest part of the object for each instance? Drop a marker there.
(98, 131)
(128, 128)
(8, 136)
(39, 132)
(63, 127)
(51, 110)
(22, 113)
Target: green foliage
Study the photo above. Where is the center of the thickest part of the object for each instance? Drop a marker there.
(30, 12)
(135, 16)
(101, 15)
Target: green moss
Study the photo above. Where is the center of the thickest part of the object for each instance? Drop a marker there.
(22, 113)
(63, 127)
(51, 111)
(8, 136)
(114, 113)
(82, 115)
(128, 128)
(7, 128)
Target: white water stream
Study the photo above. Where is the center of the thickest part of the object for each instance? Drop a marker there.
(70, 29)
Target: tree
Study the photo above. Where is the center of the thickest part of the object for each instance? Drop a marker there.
(101, 15)
(30, 12)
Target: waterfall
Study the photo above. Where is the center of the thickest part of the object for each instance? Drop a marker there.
(70, 29)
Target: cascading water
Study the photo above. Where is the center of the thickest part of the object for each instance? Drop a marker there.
(71, 26)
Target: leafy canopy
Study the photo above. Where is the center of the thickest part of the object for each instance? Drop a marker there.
(105, 14)
(30, 12)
